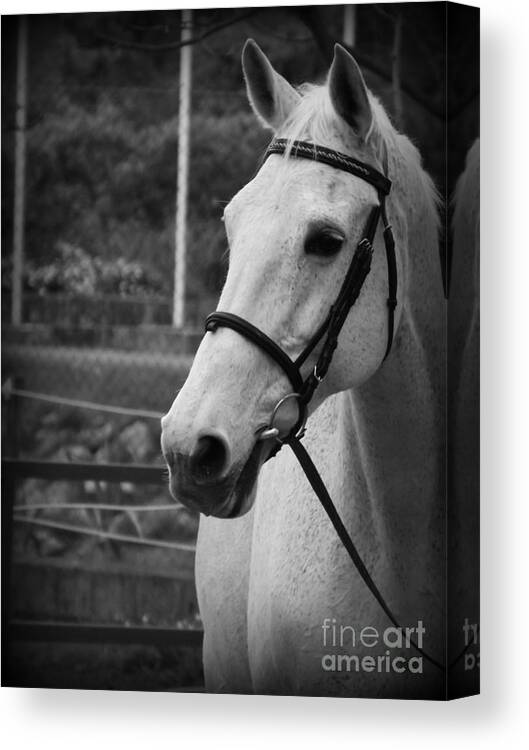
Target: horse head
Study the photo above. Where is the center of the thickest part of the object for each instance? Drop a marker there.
(292, 232)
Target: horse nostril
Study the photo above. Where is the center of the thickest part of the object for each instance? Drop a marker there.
(209, 458)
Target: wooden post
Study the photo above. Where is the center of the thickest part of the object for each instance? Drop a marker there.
(20, 173)
(186, 53)
(349, 25)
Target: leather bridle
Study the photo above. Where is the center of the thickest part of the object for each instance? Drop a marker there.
(359, 268)
(329, 330)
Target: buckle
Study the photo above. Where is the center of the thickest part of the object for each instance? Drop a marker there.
(315, 374)
(365, 244)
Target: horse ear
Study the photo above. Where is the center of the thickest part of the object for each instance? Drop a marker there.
(271, 96)
(348, 92)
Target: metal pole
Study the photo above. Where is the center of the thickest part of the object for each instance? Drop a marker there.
(183, 170)
(20, 172)
(349, 25)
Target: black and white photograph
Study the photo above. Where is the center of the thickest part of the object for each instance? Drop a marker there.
(241, 350)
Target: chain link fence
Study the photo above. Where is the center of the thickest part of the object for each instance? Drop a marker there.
(101, 173)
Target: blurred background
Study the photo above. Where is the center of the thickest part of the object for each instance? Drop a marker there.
(123, 136)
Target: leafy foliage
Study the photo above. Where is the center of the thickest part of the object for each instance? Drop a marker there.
(103, 128)
(75, 271)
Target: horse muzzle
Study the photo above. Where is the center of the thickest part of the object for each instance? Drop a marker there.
(206, 479)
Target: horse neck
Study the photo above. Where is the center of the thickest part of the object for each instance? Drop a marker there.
(397, 426)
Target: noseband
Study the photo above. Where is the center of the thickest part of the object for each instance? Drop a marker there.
(352, 284)
(304, 389)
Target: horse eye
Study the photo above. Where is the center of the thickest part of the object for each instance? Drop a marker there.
(324, 242)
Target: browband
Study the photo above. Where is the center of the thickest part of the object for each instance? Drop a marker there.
(304, 150)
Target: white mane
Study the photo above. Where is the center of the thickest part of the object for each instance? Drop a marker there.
(314, 119)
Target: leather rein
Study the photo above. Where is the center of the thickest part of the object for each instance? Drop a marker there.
(329, 330)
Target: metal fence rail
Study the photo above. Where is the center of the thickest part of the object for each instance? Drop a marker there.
(16, 468)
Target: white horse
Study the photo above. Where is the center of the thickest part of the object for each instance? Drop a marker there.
(284, 610)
